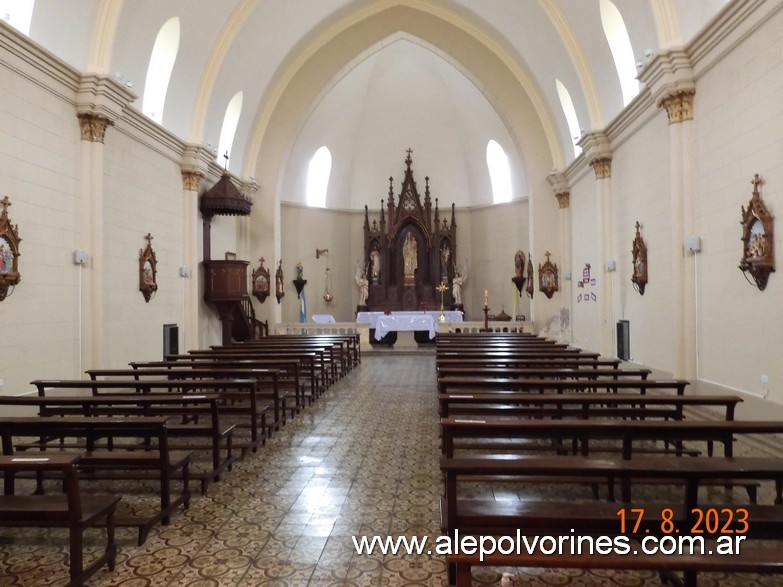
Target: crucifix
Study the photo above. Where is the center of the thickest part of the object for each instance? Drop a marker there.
(442, 288)
(225, 165)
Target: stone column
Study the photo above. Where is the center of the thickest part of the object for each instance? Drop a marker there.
(100, 102)
(194, 167)
(559, 184)
(670, 79)
(598, 153)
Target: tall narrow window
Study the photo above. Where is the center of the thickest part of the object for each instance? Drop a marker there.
(570, 113)
(18, 13)
(230, 122)
(499, 173)
(318, 177)
(164, 54)
(622, 52)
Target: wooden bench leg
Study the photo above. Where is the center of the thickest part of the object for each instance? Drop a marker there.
(464, 578)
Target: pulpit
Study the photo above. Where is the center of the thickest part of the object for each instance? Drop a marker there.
(225, 282)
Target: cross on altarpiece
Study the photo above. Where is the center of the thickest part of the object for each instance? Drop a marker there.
(756, 181)
(149, 238)
(5, 202)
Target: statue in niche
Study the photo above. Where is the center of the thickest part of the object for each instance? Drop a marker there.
(375, 263)
(445, 256)
(410, 255)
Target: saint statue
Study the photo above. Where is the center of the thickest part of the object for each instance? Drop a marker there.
(456, 289)
(361, 280)
(410, 254)
(519, 264)
(375, 261)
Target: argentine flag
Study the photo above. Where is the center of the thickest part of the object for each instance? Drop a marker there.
(302, 307)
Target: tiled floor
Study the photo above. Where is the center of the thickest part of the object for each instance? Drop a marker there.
(362, 461)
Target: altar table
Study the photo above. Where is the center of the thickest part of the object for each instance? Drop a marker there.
(406, 321)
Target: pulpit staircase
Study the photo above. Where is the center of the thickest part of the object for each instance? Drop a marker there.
(245, 325)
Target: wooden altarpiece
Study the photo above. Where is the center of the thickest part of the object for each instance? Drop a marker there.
(409, 251)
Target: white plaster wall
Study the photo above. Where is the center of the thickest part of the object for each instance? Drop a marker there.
(739, 132)
(584, 314)
(494, 236)
(640, 192)
(304, 230)
(143, 194)
(39, 150)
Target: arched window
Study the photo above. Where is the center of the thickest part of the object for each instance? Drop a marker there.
(622, 52)
(18, 13)
(570, 113)
(164, 53)
(318, 177)
(499, 172)
(230, 122)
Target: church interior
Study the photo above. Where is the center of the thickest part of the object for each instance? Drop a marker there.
(604, 174)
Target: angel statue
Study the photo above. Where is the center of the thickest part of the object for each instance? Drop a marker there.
(360, 275)
(460, 277)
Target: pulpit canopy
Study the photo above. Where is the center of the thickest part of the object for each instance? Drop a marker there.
(224, 199)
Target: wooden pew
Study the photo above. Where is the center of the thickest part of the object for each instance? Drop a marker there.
(473, 384)
(153, 398)
(591, 519)
(152, 459)
(562, 362)
(352, 340)
(267, 392)
(310, 370)
(287, 380)
(553, 372)
(581, 405)
(68, 510)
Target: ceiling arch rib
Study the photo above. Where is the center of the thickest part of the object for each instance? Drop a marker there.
(104, 35)
(348, 22)
(216, 59)
(567, 36)
(276, 126)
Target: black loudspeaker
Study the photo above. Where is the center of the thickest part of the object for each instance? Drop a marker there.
(170, 339)
(623, 340)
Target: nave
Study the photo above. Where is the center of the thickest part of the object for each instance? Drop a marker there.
(362, 461)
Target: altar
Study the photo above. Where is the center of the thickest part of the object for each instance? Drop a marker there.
(427, 321)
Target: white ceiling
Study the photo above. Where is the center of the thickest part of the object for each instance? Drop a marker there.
(403, 87)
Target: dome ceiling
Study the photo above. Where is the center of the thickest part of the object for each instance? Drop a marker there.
(353, 71)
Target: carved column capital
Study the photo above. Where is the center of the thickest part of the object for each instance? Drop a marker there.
(602, 167)
(678, 105)
(563, 199)
(191, 180)
(93, 126)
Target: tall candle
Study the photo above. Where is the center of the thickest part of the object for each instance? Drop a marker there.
(486, 298)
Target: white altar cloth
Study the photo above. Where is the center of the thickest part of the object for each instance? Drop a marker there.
(405, 321)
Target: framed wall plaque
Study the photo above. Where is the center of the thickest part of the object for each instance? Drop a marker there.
(758, 245)
(639, 254)
(548, 277)
(261, 279)
(148, 270)
(9, 251)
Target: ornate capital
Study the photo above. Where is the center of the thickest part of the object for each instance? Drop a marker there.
(93, 126)
(191, 180)
(563, 199)
(602, 167)
(679, 106)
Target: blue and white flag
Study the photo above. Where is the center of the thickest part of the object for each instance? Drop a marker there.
(302, 307)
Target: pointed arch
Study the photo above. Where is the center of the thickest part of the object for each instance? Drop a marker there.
(570, 113)
(499, 172)
(620, 45)
(318, 172)
(229, 128)
(164, 54)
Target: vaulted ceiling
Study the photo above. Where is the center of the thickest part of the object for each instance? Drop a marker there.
(462, 70)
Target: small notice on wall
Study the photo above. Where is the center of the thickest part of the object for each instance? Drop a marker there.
(586, 283)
